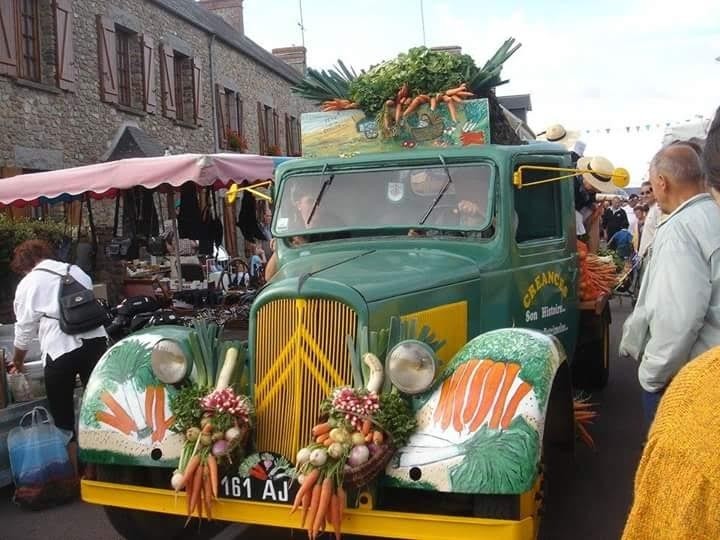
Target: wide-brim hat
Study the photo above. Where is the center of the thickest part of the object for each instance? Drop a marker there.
(600, 173)
(557, 134)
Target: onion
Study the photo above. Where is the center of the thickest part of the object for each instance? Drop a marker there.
(338, 435)
(303, 456)
(358, 455)
(206, 439)
(176, 480)
(318, 457)
(220, 448)
(232, 434)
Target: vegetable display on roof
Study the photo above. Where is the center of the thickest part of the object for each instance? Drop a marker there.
(395, 88)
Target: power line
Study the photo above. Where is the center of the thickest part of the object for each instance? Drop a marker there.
(422, 21)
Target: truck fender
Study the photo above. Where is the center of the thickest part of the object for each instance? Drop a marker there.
(125, 416)
(480, 429)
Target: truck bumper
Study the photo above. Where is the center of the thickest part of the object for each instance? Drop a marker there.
(361, 521)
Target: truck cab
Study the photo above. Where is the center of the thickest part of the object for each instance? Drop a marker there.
(442, 246)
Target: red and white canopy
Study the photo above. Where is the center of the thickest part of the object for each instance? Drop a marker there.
(106, 179)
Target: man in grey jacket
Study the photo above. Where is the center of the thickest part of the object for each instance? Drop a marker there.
(677, 316)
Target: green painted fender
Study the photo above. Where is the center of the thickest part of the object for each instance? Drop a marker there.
(113, 428)
(480, 429)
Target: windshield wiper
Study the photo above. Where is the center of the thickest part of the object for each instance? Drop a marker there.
(440, 195)
(325, 185)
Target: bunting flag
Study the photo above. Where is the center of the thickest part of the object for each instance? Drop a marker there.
(639, 127)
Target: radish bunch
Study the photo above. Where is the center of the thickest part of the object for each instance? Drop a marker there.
(225, 401)
(356, 405)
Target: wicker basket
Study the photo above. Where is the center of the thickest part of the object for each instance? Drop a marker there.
(358, 477)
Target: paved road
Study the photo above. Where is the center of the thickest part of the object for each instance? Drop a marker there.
(594, 506)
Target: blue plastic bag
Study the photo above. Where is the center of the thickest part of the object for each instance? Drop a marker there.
(41, 467)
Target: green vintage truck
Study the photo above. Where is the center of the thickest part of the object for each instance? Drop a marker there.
(475, 255)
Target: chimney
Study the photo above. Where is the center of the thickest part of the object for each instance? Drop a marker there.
(230, 10)
(294, 56)
(450, 49)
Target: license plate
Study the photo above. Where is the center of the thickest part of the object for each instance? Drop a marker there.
(264, 477)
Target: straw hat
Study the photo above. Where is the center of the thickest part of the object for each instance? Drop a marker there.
(557, 133)
(601, 176)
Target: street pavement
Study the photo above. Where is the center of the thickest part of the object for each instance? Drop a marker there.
(593, 506)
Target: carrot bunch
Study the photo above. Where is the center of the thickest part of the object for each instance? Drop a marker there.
(322, 500)
(478, 392)
(403, 104)
(584, 415)
(117, 417)
(598, 276)
(338, 105)
(199, 478)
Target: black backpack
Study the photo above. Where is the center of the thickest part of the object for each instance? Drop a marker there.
(80, 311)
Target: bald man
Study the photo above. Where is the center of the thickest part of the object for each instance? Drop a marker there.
(677, 316)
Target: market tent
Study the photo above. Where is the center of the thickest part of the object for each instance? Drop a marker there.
(106, 179)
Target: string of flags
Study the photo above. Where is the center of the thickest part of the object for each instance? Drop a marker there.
(640, 127)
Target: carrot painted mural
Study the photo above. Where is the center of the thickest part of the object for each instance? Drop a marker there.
(480, 429)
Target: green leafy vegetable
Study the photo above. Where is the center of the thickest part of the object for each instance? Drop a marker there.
(185, 405)
(324, 85)
(498, 461)
(396, 418)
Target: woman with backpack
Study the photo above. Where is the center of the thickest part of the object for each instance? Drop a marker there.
(72, 339)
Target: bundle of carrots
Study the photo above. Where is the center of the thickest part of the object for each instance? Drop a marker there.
(478, 392)
(322, 500)
(403, 105)
(199, 478)
(156, 425)
(584, 415)
(338, 105)
(598, 275)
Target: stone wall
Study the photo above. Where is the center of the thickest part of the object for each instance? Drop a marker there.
(45, 126)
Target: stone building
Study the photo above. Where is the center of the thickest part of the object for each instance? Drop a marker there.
(83, 81)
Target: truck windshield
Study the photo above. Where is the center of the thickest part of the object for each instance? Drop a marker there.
(411, 199)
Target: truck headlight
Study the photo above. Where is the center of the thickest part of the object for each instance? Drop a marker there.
(412, 366)
(168, 361)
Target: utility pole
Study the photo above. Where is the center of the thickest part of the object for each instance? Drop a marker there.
(301, 24)
(422, 20)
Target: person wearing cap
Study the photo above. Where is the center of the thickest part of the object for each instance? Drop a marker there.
(677, 314)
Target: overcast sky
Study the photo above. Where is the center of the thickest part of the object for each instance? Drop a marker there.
(587, 65)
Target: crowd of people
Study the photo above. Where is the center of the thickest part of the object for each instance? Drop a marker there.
(674, 334)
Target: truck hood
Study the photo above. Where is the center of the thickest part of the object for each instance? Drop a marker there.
(384, 273)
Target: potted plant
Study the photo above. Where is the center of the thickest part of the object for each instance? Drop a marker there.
(236, 142)
(274, 150)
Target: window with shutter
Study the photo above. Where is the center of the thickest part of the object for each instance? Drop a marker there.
(29, 39)
(107, 59)
(262, 133)
(167, 79)
(288, 139)
(8, 40)
(149, 94)
(222, 116)
(197, 90)
(123, 67)
(65, 71)
(276, 129)
(241, 119)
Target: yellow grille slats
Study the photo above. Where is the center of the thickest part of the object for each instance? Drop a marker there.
(301, 355)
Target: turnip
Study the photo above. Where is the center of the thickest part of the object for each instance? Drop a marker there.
(218, 436)
(338, 435)
(303, 456)
(318, 457)
(206, 439)
(357, 438)
(176, 480)
(192, 434)
(358, 455)
(220, 448)
(335, 450)
(232, 434)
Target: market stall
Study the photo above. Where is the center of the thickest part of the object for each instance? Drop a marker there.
(163, 275)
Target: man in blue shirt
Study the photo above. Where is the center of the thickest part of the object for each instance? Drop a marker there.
(621, 242)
